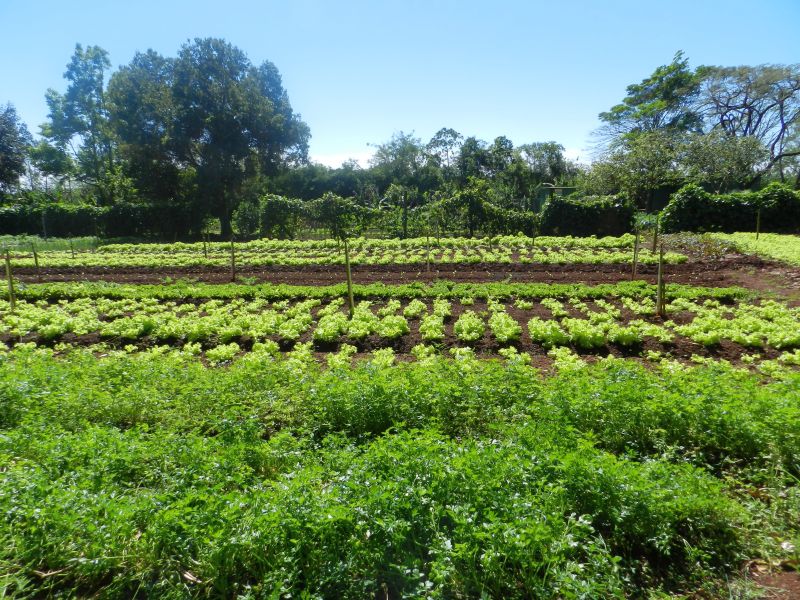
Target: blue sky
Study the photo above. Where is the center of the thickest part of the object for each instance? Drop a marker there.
(359, 71)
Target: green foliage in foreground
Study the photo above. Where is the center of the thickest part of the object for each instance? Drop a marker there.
(768, 245)
(155, 475)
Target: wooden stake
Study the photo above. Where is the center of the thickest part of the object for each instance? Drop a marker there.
(72, 247)
(233, 261)
(12, 296)
(660, 301)
(351, 302)
(635, 256)
(205, 245)
(36, 262)
(427, 251)
(655, 234)
(758, 223)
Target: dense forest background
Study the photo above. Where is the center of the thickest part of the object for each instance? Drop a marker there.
(206, 141)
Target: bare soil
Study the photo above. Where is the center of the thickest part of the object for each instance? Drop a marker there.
(777, 585)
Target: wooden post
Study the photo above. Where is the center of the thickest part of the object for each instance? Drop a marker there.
(351, 303)
(655, 234)
(36, 262)
(427, 251)
(233, 261)
(758, 223)
(72, 247)
(660, 288)
(12, 296)
(635, 256)
(205, 244)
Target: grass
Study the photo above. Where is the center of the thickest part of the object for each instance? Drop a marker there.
(781, 247)
(25, 243)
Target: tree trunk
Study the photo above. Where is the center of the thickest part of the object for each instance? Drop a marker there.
(225, 225)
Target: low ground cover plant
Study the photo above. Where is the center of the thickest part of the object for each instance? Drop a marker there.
(445, 477)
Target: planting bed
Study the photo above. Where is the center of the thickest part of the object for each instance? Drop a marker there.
(496, 425)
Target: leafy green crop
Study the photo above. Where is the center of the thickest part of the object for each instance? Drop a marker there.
(164, 477)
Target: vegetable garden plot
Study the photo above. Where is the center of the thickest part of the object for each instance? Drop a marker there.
(584, 324)
(417, 251)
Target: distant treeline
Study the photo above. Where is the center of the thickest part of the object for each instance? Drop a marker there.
(174, 147)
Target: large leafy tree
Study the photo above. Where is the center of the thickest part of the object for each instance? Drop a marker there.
(14, 144)
(723, 162)
(661, 102)
(52, 162)
(443, 150)
(473, 160)
(760, 102)
(78, 119)
(640, 166)
(401, 160)
(142, 114)
(232, 121)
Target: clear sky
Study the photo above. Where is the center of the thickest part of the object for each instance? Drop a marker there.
(358, 71)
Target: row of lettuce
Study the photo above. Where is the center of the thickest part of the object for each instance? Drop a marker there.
(446, 478)
(414, 251)
(223, 327)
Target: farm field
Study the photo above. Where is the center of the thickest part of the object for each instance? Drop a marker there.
(510, 418)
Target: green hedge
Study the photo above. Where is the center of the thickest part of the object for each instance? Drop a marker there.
(120, 220)
(56, 220)
(593, 215)
(693, 209)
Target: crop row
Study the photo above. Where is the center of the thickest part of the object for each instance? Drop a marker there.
(185, 290)
(550, 322)
(517, 243)
(255, 257)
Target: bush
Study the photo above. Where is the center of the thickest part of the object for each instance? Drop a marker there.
(280, 217)
(124, 219)
(59, 220)
(693, 209)
(593, 215)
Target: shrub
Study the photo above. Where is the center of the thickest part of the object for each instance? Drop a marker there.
(594, 215)
(693, 209)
